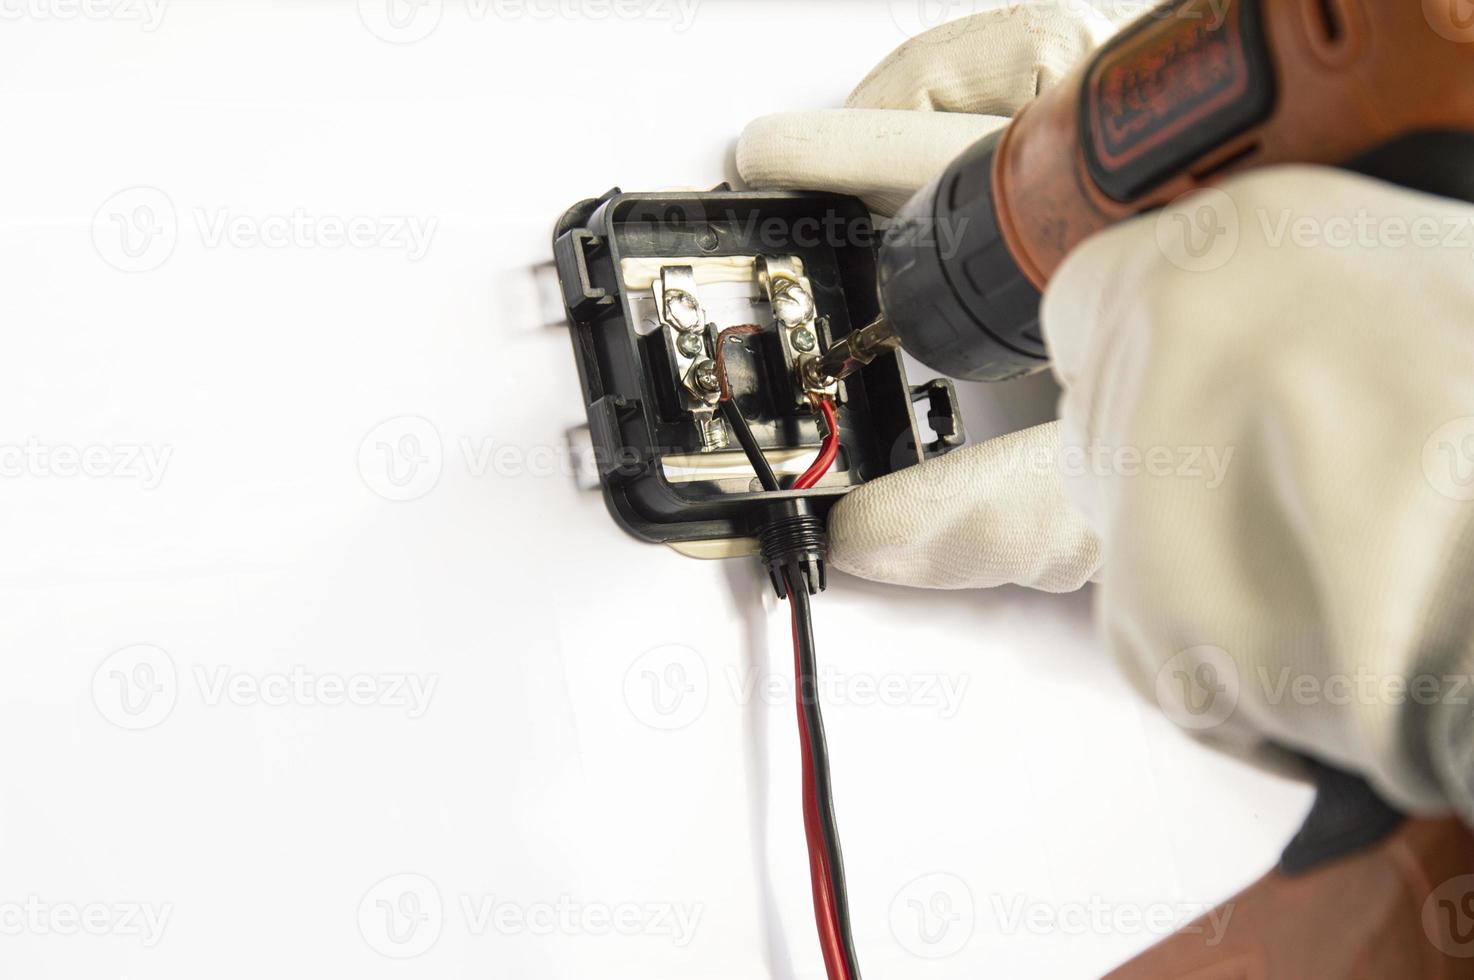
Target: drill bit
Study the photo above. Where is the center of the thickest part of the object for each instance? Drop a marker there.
(856, 350)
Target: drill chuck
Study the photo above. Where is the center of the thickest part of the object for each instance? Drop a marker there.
(949, 286)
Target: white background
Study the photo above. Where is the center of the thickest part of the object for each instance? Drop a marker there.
(152, 759)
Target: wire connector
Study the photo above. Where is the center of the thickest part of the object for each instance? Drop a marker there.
(795, 542)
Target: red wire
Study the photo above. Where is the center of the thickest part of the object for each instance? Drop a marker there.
(831, 943)
(828, 450)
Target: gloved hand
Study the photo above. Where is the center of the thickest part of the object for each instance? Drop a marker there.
(1314, 587)
(1268, 426)
(988, 514)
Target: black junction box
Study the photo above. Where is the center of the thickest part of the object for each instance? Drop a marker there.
(643, 438)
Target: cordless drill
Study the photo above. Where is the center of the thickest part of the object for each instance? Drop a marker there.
(1191, 93)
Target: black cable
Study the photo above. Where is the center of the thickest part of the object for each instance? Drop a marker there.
(755, 456)
(808, 695)
(807, 674)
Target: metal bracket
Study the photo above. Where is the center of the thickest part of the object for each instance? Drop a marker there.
(689, 336)
(798, 323)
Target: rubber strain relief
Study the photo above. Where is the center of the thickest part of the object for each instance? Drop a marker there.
(793, 540)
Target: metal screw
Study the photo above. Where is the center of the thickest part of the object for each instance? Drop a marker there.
(804, 340)
(792, 304)
(706, 376)
(682, 310)
(813, 375)
(691, 344)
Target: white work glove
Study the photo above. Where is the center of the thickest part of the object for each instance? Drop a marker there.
(993, 513)
(1298, 566)
(1268, 429)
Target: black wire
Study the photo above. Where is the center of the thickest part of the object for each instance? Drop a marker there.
(755, 456)
(808, 695)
